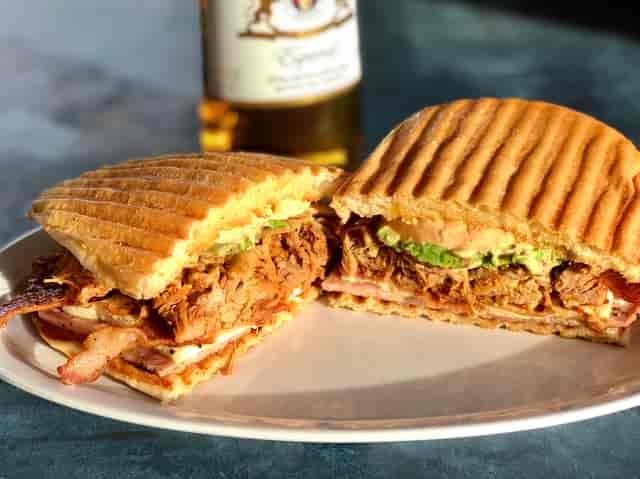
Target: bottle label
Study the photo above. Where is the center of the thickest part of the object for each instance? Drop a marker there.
(269, 52)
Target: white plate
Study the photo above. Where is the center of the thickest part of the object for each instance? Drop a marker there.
(337, 376)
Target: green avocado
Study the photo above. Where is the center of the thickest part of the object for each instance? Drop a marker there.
(274, 224)
(537, 260)
(424, 252)
(227, 249)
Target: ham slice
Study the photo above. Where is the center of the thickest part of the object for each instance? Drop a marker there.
(100, 347)
(623, 315)
(80, 326)
(162, 365)
(370, 289)
(155, 361)
(150, 360)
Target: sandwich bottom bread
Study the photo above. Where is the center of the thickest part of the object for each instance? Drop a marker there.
(532, 291)
(173, 386)
(532, 325)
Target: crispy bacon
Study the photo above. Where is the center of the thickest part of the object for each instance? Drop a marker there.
(615, 282)
(100, 347)
(37, 297)
(240, 288)
(56, 280)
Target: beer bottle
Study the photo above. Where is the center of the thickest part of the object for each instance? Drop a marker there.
(282, 76)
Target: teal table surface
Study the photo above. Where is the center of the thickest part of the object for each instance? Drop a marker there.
(85, 83)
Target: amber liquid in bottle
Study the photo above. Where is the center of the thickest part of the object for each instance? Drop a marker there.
(320, 126)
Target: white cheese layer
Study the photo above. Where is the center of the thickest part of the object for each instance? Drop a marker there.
(181, 354)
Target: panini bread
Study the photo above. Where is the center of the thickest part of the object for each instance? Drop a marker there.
(496, 212)
(172, 265)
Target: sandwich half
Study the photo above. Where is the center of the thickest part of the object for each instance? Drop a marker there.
(172, 266)
(504, 213)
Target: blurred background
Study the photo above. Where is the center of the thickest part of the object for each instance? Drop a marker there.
(85, 82)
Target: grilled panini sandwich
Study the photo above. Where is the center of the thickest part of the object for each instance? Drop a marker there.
(173, 265)
(500, 213)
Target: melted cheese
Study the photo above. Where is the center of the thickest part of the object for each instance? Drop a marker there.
(182, 354)
(294, 297)
(94, 313)
(90, 313)
(283, 210)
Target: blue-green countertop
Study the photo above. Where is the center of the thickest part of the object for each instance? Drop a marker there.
(83, 83)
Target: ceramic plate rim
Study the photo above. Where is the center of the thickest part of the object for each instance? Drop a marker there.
(330, 431)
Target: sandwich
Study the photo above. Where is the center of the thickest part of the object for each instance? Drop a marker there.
(501, 213)
(171, 267)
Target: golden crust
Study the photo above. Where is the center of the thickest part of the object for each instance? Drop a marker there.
(137, 224)
(373, 305)
(172, 387)
(547, 173)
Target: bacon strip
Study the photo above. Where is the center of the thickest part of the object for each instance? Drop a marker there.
(37, 297)
(100, 347)
(615, 282)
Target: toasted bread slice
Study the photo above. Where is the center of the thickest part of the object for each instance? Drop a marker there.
(136, 225)
(546, 173)
(618, 336)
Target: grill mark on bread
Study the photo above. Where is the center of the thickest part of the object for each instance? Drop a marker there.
(454, 149)
(601, 222)
(371, 166)
(628, 233)
(504, 165)
(592, 186)
(177, 168)
(202, 191)
(472, 144)
(503, 134)
(454, 117)
(189, 207)
(400, 143)
(562, 175)
(272, 163)
(629, 226)
(521, 191)
(422, 149)
(209, 177)
(572, 180)
(549, 167)
(468, 172)
(129, 258)
(532, 145)
(151, 219)
(84, 226)
(402, 166)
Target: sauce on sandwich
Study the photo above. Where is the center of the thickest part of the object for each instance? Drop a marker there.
(463, 239)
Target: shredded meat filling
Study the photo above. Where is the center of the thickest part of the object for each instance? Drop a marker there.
(571, 286)
(576, 286)
(251, 286)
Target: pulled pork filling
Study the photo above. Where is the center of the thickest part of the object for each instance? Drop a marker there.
(214, 302)
(573, 293)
